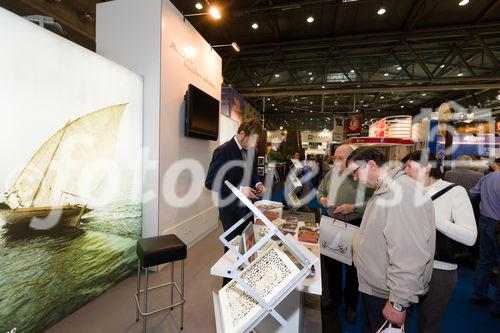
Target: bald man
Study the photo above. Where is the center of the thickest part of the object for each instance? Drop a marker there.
(339, 193)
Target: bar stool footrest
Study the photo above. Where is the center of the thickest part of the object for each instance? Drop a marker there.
(171, 306)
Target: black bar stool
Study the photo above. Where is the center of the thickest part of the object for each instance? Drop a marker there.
(155, 251)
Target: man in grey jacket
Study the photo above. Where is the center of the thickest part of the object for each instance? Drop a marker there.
(396, 240)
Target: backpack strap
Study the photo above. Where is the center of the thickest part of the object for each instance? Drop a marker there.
(443, 191)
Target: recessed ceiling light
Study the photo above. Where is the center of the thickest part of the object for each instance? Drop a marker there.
(441, 66)
(258, 84)
(311, 102)
(310, 19)
(255, 26)
(399, 68)
(463, 2)
(272, 104)
(460, 74)
(281, 127)
(357, 110)
(310, 73)
(402, 106)
(382, 97)
(411, 101)
(386, 74)
(276, 75)
(291, 111)
(352, 71)
(311, 112)
(198, 6)
(424, 94)
(322, 87)
(268, 99)
(311, 78)
(378, 110)
(381, 11)
(276, 109)
(361, 101)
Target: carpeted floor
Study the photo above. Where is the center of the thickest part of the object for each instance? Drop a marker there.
(461, 316)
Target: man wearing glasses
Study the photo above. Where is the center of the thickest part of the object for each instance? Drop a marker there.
(396, 240)
(345, 200)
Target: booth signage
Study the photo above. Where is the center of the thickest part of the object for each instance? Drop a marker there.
(353, 125)
(322, 136)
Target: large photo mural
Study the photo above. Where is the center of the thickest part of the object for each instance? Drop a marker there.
(70, 175)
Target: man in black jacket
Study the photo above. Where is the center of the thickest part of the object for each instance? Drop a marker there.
(234, 161)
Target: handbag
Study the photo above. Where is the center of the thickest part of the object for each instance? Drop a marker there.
(336, 239)
(391, 329)
(447, 249)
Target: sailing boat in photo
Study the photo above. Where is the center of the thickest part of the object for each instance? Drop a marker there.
(50, 183)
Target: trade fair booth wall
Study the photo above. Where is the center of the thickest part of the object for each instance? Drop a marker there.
(70, 175)
(171, 54)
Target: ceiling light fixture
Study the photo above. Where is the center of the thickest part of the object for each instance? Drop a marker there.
(276, 75)
(255, 26)
(198, 6)
(352, 71)
(310, 19)
(213, 11)
(311, 78)
(386, 74)
(258, 84)
(442, 66)
(424, 94)
(322, 87)
(463, 2)
(402, 106)
(411, 101)
(234, 45)
(281, 127)
(382, 97)
(381, 11)
(399, 68)
(460, 74)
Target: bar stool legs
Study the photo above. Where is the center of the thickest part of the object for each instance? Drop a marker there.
(143, 311)
(138, 288)
(182, 293)
(145, 301)
(172, 285)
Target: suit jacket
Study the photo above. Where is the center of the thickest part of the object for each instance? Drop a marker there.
(227, 152)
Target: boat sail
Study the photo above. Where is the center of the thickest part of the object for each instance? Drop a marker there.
(50, 182)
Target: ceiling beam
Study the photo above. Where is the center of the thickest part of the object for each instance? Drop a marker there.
(491, 6)
(435, 33)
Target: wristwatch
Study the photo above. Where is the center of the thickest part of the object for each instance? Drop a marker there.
(398, 307)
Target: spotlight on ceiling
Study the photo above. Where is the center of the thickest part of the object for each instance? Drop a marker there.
(255, 26)
(214, 11)
(381, 11)
(463, 2)
(198, 6)
(234, 45)
(310, 19)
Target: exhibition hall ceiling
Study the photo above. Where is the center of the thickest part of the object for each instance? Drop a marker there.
(306, 60)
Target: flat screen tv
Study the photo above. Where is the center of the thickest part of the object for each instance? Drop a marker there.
(202, 114)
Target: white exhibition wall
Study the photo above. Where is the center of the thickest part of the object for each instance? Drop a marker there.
(75, 118)
(152, 38)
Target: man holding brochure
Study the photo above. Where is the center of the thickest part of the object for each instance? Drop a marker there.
(345, 200)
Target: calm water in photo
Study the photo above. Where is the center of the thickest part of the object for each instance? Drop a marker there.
(45, 276)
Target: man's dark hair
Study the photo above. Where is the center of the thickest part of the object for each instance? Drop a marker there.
(424, 158)
(366, 154)
(251, 126)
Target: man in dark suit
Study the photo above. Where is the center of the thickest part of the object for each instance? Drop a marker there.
(234, 161)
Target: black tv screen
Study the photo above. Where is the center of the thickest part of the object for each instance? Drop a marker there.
(202, 114)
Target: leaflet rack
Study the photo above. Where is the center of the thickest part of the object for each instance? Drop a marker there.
(256, 306)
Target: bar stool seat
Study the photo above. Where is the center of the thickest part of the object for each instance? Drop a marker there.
(155, 251)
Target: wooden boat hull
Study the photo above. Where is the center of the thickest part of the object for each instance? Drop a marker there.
(70, 215)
